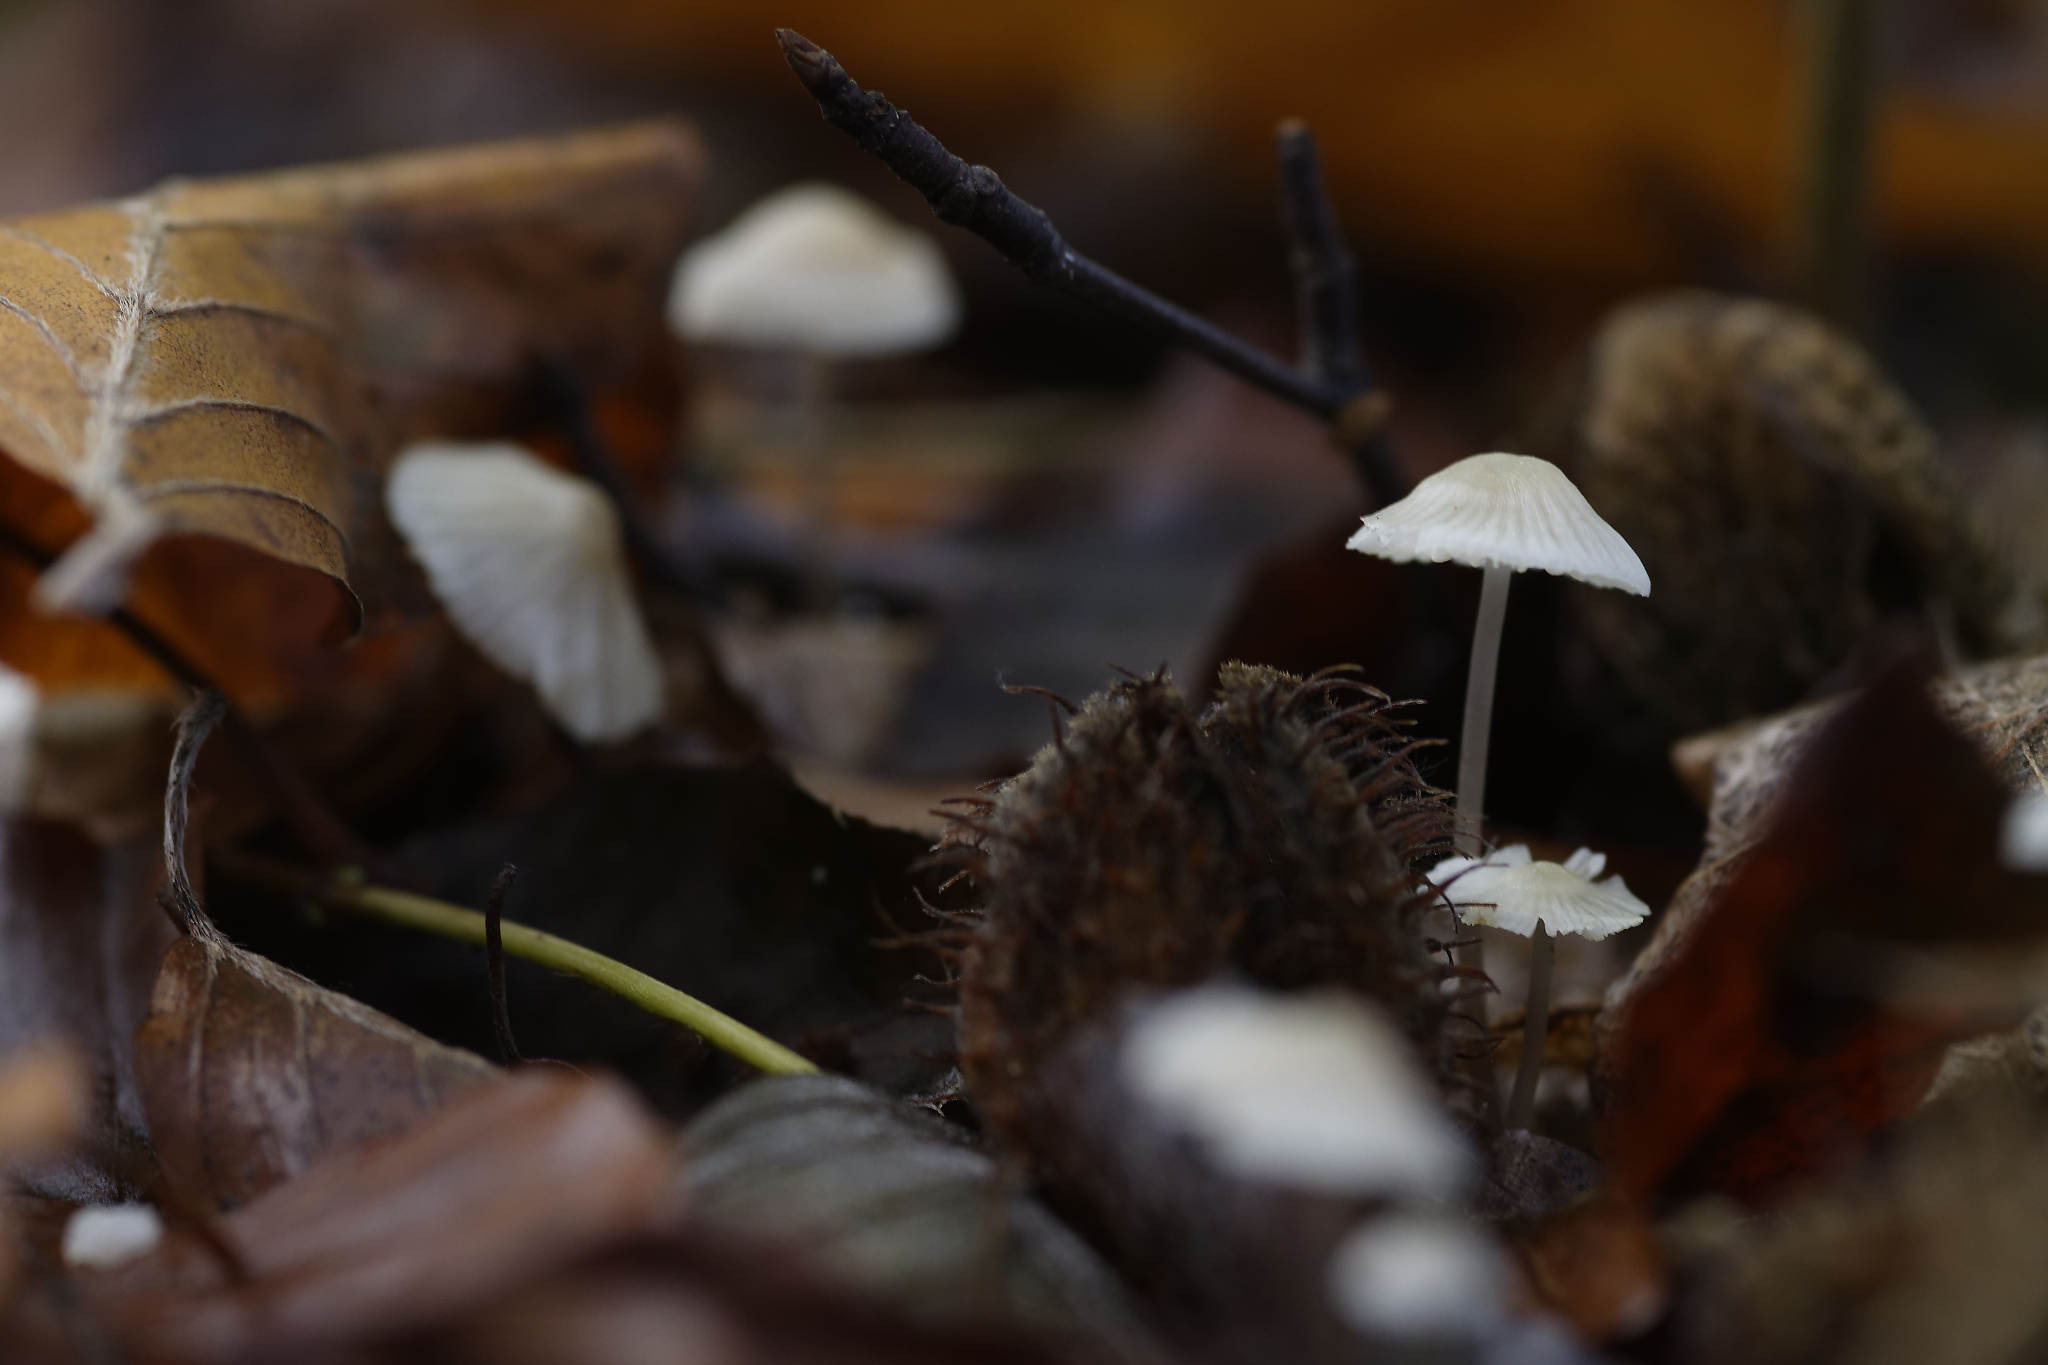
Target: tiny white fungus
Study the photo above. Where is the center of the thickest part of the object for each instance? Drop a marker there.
(2023, 838)
(1417, 1278)
(527, 561)
(1508, 889)
(101, 1236)
(19, 701)
(813, 267)
(1313, 1091)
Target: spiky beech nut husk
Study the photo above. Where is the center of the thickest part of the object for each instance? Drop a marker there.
(1783, 496)
(1274, 837)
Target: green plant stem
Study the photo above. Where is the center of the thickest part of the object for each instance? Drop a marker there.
(1535, 1028)
(572, 959)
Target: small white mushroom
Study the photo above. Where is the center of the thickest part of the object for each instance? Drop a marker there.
(1503, 514)
(1508, 889)
(101, 1236)
(1418, 1279)
(815, 268)
(19, 700)
(2023, 838)
(528, 563)
(1313, 1091)
(820, 273)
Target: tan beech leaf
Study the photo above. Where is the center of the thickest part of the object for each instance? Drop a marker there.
(235, 359)
(1738, 771)
(249, 1073)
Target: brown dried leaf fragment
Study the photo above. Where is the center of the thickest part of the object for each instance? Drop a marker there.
(234, 359)
(248, 1073)
(1801, 989)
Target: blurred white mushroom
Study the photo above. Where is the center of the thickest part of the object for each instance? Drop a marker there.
(18, 704)
(819, 273)
(815, 268)
(528, 563)
(2023, 838)
(1418, 1279)
(1315, 1091)
(101, 1236)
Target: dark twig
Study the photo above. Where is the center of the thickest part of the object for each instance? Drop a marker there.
(494, 964)
(569, 409)
(975, 198)
(1326, 290)
(320, 832)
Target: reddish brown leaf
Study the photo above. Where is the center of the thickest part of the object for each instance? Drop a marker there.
(1759, 1037)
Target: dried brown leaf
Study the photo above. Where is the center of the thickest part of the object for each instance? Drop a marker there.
(248, 1072)
(1780, 1015)
(234, 359)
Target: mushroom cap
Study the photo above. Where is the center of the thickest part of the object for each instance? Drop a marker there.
(1509, 511)
(1418, 1276)
(2023, 836)
(815, 267)
(101, 1236)
(528, 564)
(19, 699)
(1509, 890)
(1314, 1091)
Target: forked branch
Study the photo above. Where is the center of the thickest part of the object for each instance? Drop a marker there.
(975, 198)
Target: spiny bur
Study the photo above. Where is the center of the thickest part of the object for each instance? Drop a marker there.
(1273, 837)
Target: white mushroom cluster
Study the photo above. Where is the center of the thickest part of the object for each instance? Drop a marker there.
(1504, 514)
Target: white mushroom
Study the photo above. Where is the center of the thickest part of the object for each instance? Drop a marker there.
(101, 1236)
(2023, 838)
(820, 273)
(1508, 889)
(1504, 514)
(1418, 1279)
(19, 701)
(528, 563)
(1314, 1091)
(815, 268)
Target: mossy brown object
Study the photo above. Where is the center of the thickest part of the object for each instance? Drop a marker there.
(1783, 496)
(1273, 837)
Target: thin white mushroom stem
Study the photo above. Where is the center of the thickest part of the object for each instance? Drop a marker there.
(814, 419)
(1472, 743)
(1535, 1028)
